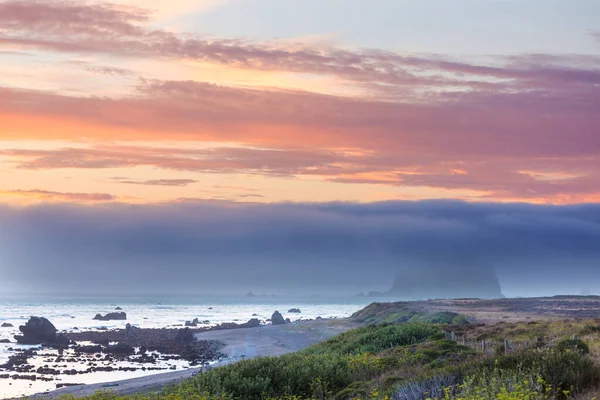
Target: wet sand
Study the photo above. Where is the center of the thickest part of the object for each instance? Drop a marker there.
(244, 343)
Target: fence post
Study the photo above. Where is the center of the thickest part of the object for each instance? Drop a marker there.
(574, 337)
(483, 345)
(505, 346)
(453, 336)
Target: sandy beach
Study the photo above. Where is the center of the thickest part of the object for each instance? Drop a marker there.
(245, 343)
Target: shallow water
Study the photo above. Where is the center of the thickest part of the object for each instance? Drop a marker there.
(67, 315)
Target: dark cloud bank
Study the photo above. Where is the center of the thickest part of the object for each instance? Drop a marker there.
(206, 248)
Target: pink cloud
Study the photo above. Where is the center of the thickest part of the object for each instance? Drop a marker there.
(156, 182)
(68, 26)
(461, 125)
(499, 177)
(45, 195)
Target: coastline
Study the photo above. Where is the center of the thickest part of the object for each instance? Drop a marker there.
(240, 344)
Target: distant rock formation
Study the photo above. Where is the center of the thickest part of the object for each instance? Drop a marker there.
(277, 318)
(445, 282)
(118, 316)
(6, 325)
(294, 311)
(37, 330)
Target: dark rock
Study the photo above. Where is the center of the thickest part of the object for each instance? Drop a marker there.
(294, 311)
(6, 325)
(88, 349)
(190, 323)
(319, 318)
(132, 331)
(287, 320)
(255, 315)
(229, 325)
(253, 323)
(62, 385)
(36, 331)
(102, 341)
(277, 318)
(184, 335)
(115, 316)
(120, 348)
(118, 309)
(4, 341)
(58, 341)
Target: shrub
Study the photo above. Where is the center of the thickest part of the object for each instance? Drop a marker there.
(562, 370)
(434, 387)
(573, 344)
(501, 384)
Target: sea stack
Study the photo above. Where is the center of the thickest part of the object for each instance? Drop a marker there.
(440, 281)
(36, 331)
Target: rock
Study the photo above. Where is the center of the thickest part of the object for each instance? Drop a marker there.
(447, 279)
(115, 316)
(36, 331)
(118, 309)
(6, 325)
(252, 323)
(4, 341)
(277, 318)
(184, 335)
(319, 318)
(88, 349)
(294, 311)
(255, 315)
(132, 331)
(190, 323)
(58, 341)
(195, 321)
(288, 321)
(120, 348)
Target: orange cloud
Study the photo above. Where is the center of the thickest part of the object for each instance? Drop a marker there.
(44, 196)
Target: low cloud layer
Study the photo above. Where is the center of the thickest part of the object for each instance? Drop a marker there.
(329, 249)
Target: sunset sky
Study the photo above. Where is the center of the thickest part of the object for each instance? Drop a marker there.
(147, 101)
(284, 146)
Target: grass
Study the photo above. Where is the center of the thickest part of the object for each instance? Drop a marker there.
(378, 313)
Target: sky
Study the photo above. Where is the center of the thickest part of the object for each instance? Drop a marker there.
(237, 104)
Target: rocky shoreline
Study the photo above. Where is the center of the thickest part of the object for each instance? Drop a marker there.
(125, 349)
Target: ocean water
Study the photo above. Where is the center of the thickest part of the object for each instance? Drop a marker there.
(68, 314)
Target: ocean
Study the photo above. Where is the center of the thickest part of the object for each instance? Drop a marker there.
(69, 315)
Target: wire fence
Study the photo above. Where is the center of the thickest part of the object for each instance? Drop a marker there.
(490, 346)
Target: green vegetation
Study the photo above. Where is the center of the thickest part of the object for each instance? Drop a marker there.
(378, 313)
